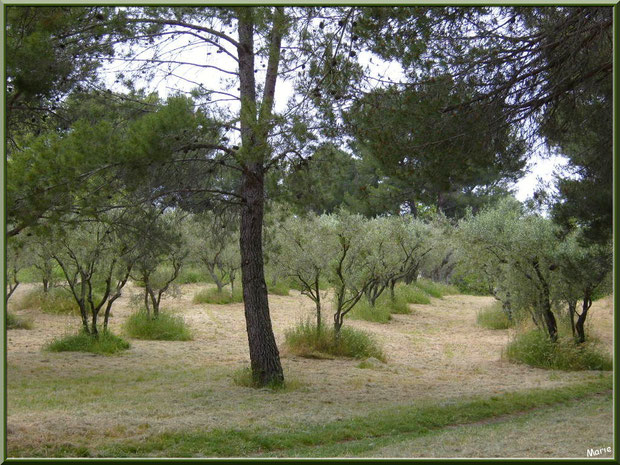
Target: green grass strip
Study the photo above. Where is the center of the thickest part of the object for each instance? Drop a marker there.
(413, 421)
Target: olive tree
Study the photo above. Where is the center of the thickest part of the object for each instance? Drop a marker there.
(350, 267)
(96, 266)
(584, 268)
(213, 240)
(397, 246)
(160, 252)
(302, 250)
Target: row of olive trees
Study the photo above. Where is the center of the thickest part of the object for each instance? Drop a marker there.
(528, 264)
(96, 257)
(356, 257)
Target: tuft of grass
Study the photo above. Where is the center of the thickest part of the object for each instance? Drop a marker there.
(106, 343)
(212, 296)
(363, 310)
(437, 290)
(243, 377)
(534, 348)
(16, 322)
(57, 301)
(412, 294)
(306, 341)
(494, 317)
(280, 288)
(165, 327)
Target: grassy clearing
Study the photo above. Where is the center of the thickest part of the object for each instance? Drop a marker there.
(17, 322)
(105, 344)
(57, 301)
(306, 341)
(494, 317)
(166, 327)
(536, 349)
(573, 425)
(350, 437)
(213, 296)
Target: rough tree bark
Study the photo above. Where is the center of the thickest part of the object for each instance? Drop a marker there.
(264, 355)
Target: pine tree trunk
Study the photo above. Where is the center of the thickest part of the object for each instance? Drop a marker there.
(264, 355)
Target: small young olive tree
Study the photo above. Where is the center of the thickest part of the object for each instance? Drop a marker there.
(159, 255)
(441, 260)
(302, 248)
(396, 247)
(410, 239)
(42, 260)
(350, 268)
(383, 257)
(213, 239)
(584, 269)
(96, 264)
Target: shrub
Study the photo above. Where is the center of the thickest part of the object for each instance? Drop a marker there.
(15, 322)
(494, 317)
(306, 341)
(165, 327)
(280, 288)
(106, 343)
(536, 349)
(412, 294)
(213, 296)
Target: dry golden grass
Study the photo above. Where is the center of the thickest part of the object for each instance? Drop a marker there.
(436, 353)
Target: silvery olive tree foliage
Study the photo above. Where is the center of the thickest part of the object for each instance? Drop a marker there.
(303, 248)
